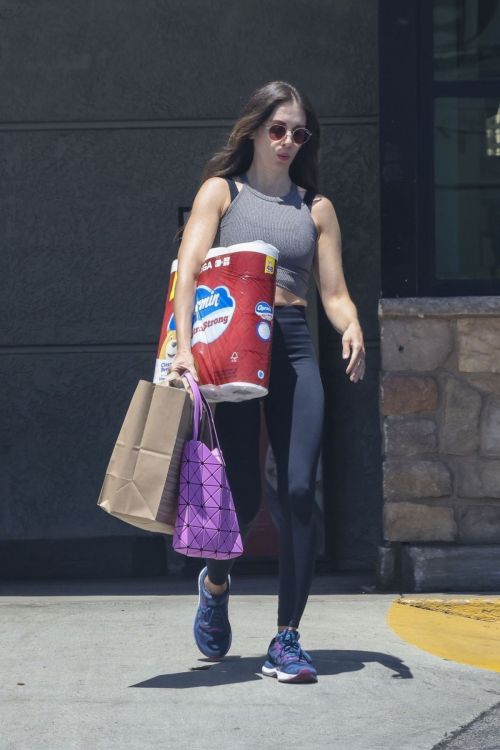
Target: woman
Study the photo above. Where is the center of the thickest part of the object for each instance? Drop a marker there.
(262, 186)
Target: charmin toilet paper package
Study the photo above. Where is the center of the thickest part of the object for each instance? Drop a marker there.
(232, 322)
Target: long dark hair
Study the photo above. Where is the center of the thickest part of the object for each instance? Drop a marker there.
(236, 156)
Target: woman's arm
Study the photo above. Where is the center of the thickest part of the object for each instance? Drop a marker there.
(329, 275)
(210, 203)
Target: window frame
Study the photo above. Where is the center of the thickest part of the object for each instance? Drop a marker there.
(407, 94)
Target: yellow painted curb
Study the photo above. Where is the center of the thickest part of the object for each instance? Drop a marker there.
(462, 630)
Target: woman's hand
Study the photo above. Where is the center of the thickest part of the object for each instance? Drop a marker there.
(353, 346)
(182, 361)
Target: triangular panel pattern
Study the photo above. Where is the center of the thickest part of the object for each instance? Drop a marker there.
(207, 525)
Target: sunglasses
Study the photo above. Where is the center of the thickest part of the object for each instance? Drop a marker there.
(299, 135)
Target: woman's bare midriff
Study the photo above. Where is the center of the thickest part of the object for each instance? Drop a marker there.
(284, 297)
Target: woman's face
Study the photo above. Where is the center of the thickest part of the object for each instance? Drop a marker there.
(281, 152)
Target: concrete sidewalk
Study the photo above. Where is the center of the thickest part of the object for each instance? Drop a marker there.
(104, 665)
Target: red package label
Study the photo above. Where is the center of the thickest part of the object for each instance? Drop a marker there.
(232, 322)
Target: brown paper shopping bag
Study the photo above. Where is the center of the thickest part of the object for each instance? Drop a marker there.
(142, 479)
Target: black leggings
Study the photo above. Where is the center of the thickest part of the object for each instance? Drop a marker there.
(294, 417)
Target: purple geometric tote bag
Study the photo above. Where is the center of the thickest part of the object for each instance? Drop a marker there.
(206, 524)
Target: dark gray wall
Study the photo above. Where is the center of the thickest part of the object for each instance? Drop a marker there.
(108, 111)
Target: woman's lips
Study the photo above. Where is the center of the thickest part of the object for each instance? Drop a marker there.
(284, 157)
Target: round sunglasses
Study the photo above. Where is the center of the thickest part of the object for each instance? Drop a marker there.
(299, 135)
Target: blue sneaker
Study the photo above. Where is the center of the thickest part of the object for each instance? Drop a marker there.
(287, 661)
(211, 629)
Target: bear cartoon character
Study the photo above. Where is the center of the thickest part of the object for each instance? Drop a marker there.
(169, 346)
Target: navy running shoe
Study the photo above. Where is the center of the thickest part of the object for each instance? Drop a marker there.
(211, 629)
(287, 661)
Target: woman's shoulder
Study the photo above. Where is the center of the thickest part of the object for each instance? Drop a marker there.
(321, 207)
(214, 185)
(215, 191)
(317, 201)
(322, 203)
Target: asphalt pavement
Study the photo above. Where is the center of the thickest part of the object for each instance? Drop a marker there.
(100, 665)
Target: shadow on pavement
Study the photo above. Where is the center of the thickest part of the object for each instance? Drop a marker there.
(236, 669)
(339, 583)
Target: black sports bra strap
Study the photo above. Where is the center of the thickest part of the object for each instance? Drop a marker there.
(232, 187)
(309, 196)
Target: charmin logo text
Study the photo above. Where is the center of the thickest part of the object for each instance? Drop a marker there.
(213, 311)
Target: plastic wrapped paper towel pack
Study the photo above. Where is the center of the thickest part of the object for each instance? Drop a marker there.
(232, 322)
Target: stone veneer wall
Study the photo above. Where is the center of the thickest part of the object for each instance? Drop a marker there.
(440, 413)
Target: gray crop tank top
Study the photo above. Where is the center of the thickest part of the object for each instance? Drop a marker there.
(284, 222)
